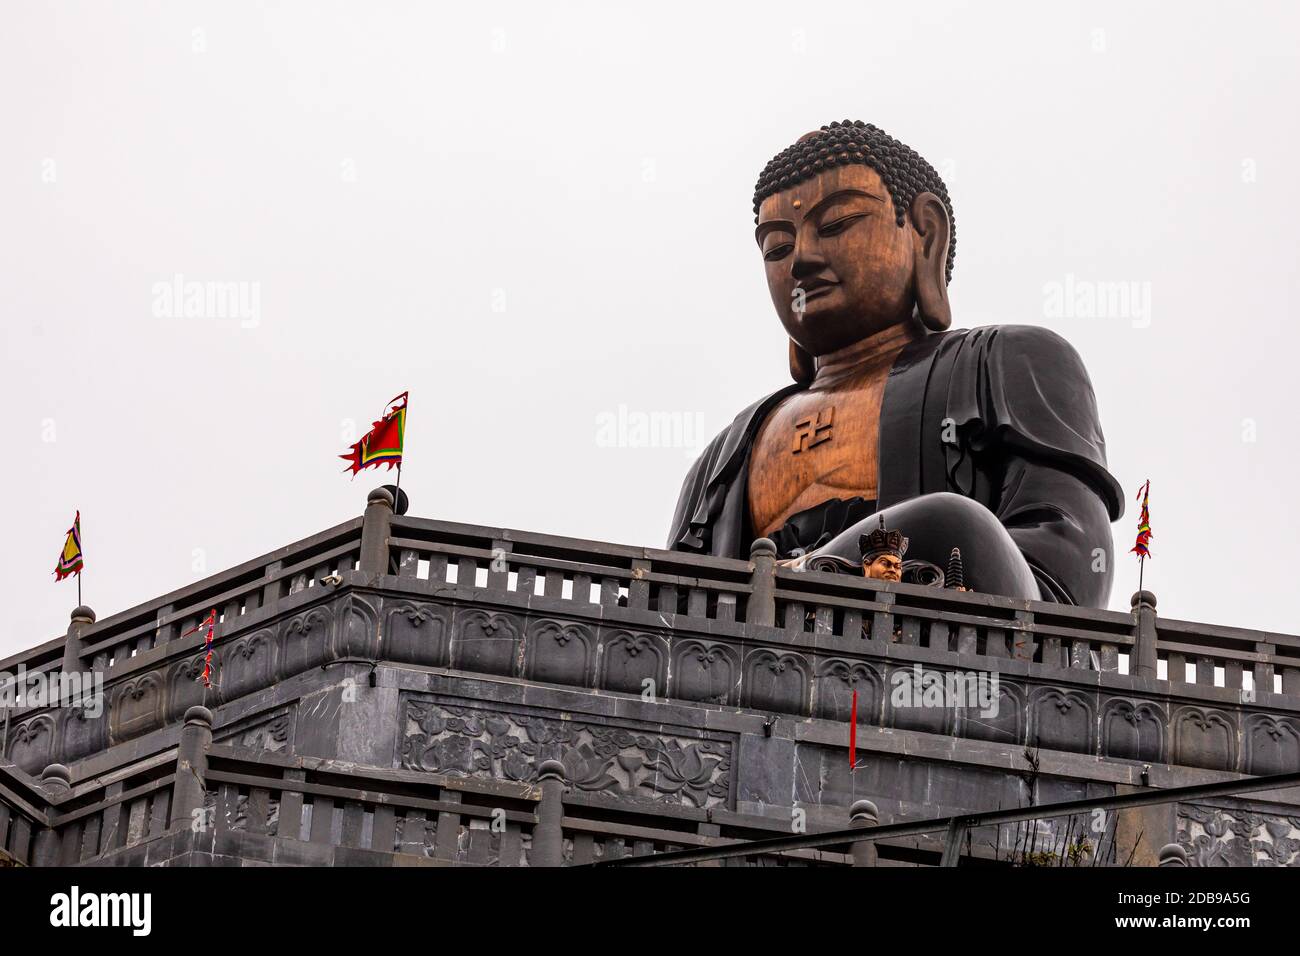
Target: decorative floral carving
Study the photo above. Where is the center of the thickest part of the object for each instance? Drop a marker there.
(612, 761)
(1217, 836)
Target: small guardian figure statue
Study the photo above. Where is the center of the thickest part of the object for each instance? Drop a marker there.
(882, 553)
(983, 439)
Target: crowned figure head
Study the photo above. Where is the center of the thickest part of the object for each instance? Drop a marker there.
(882, 553)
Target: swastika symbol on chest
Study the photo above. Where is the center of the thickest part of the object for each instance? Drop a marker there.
(813, 430)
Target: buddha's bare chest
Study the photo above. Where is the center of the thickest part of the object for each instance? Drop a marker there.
(816, 445)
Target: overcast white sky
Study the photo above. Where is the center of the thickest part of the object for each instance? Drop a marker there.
(532, 214)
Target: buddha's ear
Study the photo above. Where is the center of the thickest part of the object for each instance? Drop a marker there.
(929, 217)
(801, 365)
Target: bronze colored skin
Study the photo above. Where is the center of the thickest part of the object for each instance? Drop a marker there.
(846, 281)
(887, 567)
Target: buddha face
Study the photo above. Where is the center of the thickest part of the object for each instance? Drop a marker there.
(887, 567)
(839, 267)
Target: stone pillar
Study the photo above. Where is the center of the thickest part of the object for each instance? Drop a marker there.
(56, 780)
(1171, 854)
(762, 596)
(375, 530)
(548, 836)
(73, 645)
(1144, 635)
(190, 788)
(864, 814)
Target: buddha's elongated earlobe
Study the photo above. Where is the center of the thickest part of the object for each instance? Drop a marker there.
(933, 231)
(802, 367)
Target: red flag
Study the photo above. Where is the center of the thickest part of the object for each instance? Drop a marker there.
(1142, 547)
(383, 443)
(853, 733)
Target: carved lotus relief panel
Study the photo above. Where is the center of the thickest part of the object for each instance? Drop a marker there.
(272, 734)
(1216, 836)
(622, 763)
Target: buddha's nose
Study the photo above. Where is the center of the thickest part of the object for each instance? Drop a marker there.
(807, 260)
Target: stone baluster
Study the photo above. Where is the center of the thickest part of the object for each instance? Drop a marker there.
(864, 814)
(1144, 636)
(74, 645)
(762, 583)
(1171, 854)
(375, 530)
(56, 780)
(548, 835)
(190, 788)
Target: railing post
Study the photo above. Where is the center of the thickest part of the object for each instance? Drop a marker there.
(864, 814)
(761, 608)
(1171, 854)
(1144, 635)
(56, 780)
(548, 836)
(1263, 671)
(73, 646)
(190, 788)
(375, 529)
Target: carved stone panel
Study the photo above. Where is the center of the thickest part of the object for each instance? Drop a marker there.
(272, 733)
(245, 665)
(357, 634)
(833, 693)
(618, 762)
(1219, 836)
(305, 640)
(1006, 723)
(32, 743)
(705, 671)
(776, 682)
(1272, 745)
(185, 687)
(416, 633)
(137, 707)
(917, 698)
(485, 642)
(82, 733)
(1204, 737)
(628, 659)
(559, 652)
(1062, 720)
(1133, 730)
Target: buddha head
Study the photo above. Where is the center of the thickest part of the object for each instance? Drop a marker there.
(856, 233)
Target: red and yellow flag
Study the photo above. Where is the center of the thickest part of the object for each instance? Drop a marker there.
(1142, 548)
(383, 443)
(70, 559)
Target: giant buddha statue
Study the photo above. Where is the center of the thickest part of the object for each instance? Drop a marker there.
(983, 439)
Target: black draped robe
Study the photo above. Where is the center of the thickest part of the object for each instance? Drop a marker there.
(1024, 440)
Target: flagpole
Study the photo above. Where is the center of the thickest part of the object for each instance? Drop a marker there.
(397, 497)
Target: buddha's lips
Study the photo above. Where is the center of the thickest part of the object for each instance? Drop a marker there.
(815, 289)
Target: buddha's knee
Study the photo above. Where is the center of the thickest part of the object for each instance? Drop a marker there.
(934, 524)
